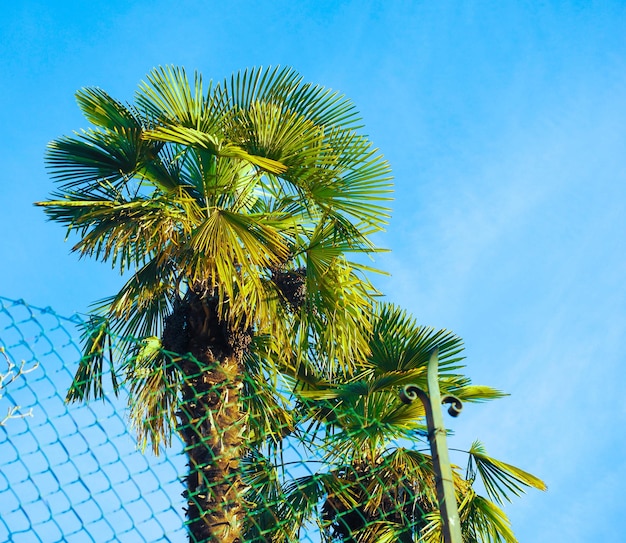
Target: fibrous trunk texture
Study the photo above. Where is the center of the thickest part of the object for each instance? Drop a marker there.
(210, 419)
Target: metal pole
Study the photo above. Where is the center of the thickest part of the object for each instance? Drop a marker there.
(432, 400)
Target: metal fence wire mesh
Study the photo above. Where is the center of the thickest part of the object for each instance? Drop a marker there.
(72, 472)
(329, 463)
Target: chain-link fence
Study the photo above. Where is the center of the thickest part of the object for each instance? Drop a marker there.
(72, 472)
(302, 459)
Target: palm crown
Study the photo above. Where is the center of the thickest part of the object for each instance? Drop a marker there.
(234, 190)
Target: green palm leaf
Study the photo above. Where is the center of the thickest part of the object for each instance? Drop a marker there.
(102, 110)
(483, 521)
(87, 383)
(169, 97)
(153, 385)
(195, 138)
(500, 479)
(400, 344)
(90, 157)
(474, 393)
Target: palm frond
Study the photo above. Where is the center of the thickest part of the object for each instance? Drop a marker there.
(482, 521)
(122, 232)
(301, 498)
(270, 419)
(101, 109)
(399, 344)
(500, 479)
(97, 347)
(284, 86)
(139, 309)
(153, 386)
(265, 520)
(353, 187)
(168, 97)
(195, 138)
(94, 155)
(369, 385)
(474, 393)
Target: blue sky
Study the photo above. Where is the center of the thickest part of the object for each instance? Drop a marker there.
(504, 126)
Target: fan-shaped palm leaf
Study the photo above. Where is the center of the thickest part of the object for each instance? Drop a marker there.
(500, 479)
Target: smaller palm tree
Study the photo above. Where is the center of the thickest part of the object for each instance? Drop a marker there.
(375, 485)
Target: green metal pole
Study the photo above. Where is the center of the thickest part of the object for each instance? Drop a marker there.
(451, 524)
(441, 460)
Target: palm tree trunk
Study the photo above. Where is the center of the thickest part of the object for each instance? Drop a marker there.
(210, 418)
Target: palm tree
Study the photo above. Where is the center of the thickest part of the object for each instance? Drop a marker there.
(232, 211)
(376, 486)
